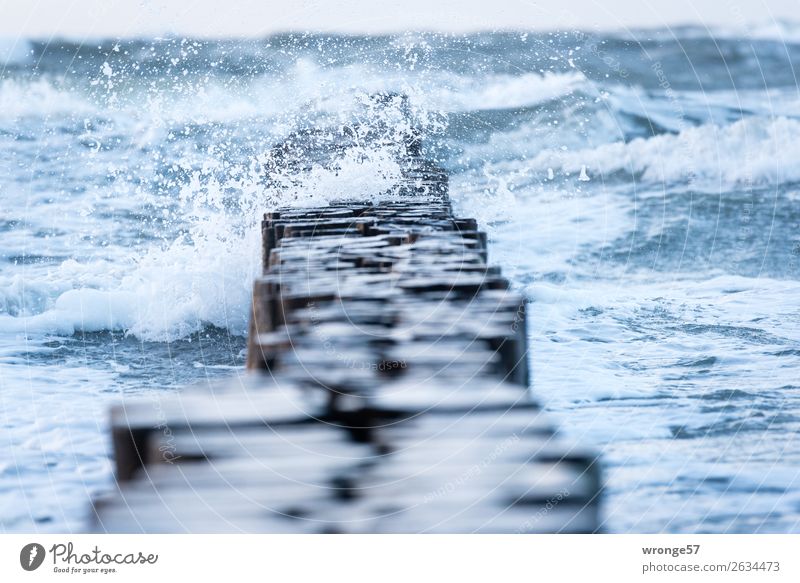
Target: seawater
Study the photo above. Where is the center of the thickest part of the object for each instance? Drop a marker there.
(641, 189)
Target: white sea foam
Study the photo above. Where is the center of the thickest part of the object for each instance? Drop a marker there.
(766, 153)
(305, 89)
(503, 91)
(624, 338)
(40, 98)
(55, 452)
(203, 277)
(539, 228)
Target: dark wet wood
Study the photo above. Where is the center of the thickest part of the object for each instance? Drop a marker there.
(387, 391)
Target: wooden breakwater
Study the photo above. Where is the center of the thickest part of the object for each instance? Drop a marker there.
(387, 392)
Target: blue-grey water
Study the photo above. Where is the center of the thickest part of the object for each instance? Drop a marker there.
(642, 189)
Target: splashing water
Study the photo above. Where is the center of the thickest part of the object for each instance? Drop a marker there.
(206, 210)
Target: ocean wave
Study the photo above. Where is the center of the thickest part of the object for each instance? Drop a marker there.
(204, 205)
(195, 102)
(306, 89)
(750, 151)
(503, 91)
(40, 98)
(204, 276)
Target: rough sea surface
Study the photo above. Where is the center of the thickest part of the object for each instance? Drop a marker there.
(643, 190)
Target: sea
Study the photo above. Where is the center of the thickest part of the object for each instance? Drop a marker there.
(641, 188)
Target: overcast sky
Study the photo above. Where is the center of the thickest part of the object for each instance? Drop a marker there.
(213, 18)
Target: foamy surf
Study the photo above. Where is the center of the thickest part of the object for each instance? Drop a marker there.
(203, 277)
(767, 155)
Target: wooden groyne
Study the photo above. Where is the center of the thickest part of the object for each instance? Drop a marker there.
(387, 392)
